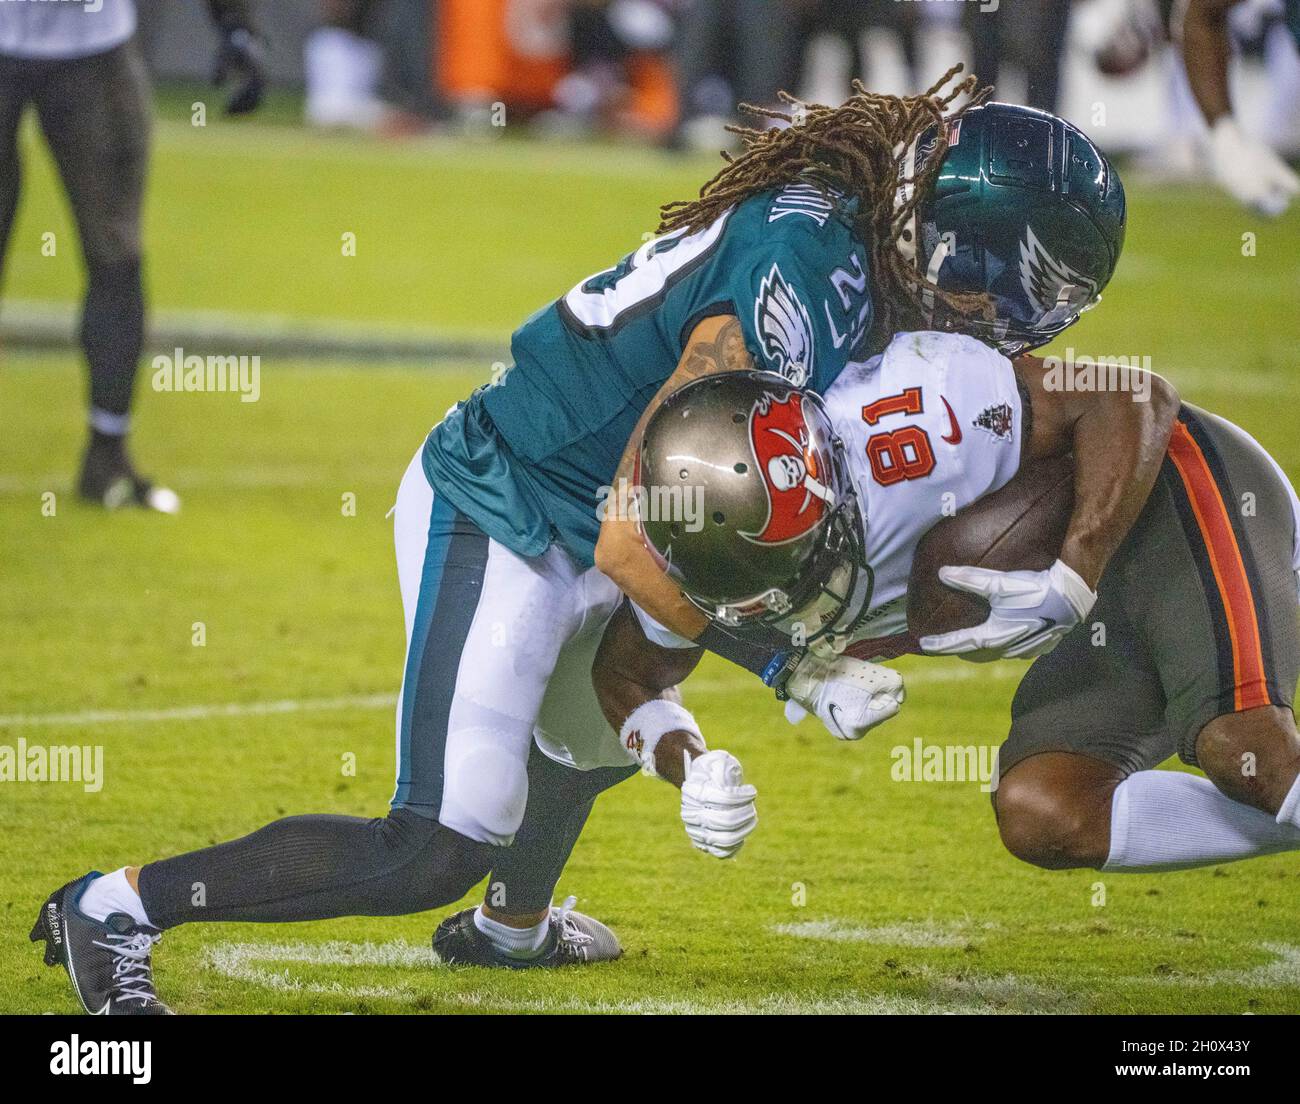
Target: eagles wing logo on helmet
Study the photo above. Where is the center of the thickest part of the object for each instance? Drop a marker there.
(1047, 282)
(790, 468)
(784, 328)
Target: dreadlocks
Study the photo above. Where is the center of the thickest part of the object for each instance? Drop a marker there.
(858, 149)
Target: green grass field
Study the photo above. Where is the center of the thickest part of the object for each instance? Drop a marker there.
(857, 893)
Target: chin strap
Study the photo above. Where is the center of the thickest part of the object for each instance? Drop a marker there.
(946, 247)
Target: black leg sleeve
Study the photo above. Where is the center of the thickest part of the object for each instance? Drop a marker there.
(112, 332)
(14, 97)
(316, 868)
(96, 113)
(559, 802)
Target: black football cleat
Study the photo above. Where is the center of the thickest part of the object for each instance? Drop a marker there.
(109, 479)
(109, 962)
(574, 939)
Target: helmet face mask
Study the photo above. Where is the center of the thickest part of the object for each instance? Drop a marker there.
(819, 605)
(840, 593)
(1026, 210)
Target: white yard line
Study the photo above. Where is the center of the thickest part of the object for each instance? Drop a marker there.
(265, 965)
(207, 711)
(268, 966)
(195, 479)
(905, 933)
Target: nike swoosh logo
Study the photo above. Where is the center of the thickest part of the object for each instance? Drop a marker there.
(1046, 625)
(1036, 635)
(831, 710)
(953, 438)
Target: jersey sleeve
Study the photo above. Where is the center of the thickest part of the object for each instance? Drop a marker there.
(659, 634)
(803, 297)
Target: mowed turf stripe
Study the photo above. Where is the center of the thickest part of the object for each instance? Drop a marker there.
(198, 712)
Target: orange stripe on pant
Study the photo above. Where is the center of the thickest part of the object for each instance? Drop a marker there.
(1215, 523)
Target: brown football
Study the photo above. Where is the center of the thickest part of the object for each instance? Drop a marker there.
(1020, 527)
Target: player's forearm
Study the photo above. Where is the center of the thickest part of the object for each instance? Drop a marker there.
(1119, 446)
(620, 697)
(630, 671)
(716, 345)
(622, 555)
(1206, 51)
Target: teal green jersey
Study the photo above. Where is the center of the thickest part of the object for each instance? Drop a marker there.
(532, 457)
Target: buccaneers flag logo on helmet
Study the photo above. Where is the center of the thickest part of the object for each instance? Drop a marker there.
(792, 467)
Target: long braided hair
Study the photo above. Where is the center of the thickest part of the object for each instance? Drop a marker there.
(859, 150)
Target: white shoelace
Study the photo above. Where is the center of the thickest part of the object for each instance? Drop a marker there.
(571, 932)
(132, 973)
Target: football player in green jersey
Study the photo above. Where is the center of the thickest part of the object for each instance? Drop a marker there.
(514, 535)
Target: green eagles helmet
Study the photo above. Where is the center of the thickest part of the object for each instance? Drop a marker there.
(1025, 208)
(745, 499)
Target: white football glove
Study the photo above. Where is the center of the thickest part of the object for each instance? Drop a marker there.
(849, 696)
(1249, 170)
(1030, 612)
(717, 806)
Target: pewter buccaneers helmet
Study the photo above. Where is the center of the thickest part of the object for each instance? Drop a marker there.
(745, 498)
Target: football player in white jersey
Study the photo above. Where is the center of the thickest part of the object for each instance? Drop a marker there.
(1199, 597)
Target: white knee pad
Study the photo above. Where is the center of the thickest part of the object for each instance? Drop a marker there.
(485, 782)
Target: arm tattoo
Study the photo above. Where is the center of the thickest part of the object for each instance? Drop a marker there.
(725, 353)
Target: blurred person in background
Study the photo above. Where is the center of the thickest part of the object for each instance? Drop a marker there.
(1246, 166)
(1129, 33)
(369, 66)
(852, 19)
(79, 67)
(606, 38)
(1029, 33)
(733, 50)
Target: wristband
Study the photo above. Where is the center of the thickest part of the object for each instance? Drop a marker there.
(647, 724)
(777, 673)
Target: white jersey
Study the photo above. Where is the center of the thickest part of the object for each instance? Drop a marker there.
(64, 29)
(930, 425)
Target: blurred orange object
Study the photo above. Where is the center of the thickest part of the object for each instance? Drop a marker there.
(653, 110)
(512, 50)
(517, 50)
